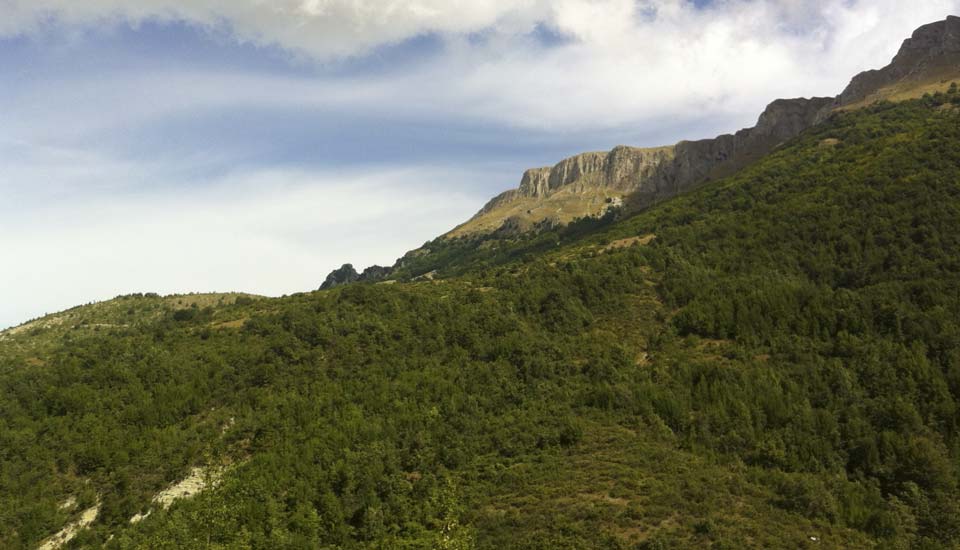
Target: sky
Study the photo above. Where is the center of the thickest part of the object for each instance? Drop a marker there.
(178, 146)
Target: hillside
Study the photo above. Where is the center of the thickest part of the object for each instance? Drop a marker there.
(772, 360)
(590, 184)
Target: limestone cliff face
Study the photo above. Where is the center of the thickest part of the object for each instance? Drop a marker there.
(623, 168)
(535, 182)
(932, 49)
(588, 184)
(645, 175)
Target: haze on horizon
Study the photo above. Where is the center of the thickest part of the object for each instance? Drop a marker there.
(172, 146)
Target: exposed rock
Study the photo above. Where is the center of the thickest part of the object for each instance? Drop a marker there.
(197, 481)
(624, 168)
(72, 529)
(535, 182)
(138, 517)
(932, 49)
(695, 162)
(426, 276)
(375, 274)
(346, 274)
(586, 184)
(576, 168)
(645, 174)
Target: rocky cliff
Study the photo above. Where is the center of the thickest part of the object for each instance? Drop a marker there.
(588, 184)
(622, 169)
(696, 162)
(346, 274)
(932, 52)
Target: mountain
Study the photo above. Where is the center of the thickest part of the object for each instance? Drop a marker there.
(592, 183)
(924, 63)
(770, 360)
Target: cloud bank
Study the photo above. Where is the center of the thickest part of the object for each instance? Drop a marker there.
(562, 64)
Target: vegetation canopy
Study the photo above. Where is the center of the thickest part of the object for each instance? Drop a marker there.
(770, 361)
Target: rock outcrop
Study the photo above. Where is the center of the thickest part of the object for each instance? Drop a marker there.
(696, 162)
(375, 274)
(346, 274)
(587, 184)
(932, 51)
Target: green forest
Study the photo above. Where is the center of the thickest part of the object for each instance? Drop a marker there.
(771, 361)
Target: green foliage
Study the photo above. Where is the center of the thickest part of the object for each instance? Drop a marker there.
(781, 362)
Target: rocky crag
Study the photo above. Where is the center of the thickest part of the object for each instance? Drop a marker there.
(930, 56)
(591, 183)
(633, 178)
(346, 274)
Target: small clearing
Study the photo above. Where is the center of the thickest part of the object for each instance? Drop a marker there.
(236, 323)
(643, 240)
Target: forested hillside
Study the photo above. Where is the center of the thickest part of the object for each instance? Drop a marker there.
(771, 361)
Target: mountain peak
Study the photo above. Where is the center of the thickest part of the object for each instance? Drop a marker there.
(935, 39)
(930, 55)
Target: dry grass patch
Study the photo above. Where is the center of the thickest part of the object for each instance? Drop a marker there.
(643, 240)
(236, 323)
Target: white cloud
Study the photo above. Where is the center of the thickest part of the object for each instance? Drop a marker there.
(269, 232)
(622, 61)
(324, 28)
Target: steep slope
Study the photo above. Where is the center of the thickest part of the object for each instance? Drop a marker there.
(592, 183)
(769, 361)
(926, 62)
(577, 187)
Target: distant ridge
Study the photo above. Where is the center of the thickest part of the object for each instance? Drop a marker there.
(591, 183)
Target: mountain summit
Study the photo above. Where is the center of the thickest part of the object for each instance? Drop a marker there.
(926, 59)
(590, 184)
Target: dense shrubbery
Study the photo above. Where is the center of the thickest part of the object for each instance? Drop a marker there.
(840, 260)
(794, 328)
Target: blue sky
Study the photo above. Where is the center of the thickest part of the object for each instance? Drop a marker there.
(215, 145)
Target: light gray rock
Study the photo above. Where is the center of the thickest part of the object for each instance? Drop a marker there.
(650, 175)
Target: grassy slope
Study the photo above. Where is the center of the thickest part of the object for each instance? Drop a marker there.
(780, 363)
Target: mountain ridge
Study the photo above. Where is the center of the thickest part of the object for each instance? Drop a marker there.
(588, 184)
(932, 48)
